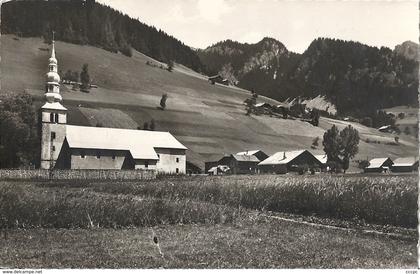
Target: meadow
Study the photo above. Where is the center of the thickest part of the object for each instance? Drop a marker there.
(208, 119)
(213, 222)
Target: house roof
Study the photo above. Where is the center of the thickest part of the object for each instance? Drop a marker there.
(248, 152)
(322, 158)
(262, 105)
(406, 161)
(282, 157)
(377, 162)
(140, 143)
(384, 127)
(245, 158)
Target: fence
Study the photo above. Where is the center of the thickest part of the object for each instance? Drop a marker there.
(76, 174)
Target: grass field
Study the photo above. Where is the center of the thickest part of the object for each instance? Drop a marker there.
(209, 119)
(211, 222)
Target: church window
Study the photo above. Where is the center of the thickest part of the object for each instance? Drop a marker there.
(51, 68)
(51, 117)
(177, 160)
(53, 148)
(56, 117)
(177, 170)
(52, 135)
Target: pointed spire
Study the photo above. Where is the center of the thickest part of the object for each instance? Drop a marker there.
(53, 46)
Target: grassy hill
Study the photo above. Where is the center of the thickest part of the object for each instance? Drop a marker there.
(209, 119)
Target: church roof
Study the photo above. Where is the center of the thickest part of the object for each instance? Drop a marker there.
(54, 105)
(140, 143)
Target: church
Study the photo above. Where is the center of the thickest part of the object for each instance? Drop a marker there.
(66, 146)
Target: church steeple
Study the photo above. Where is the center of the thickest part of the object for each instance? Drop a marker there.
(52, 94)
(53, 115)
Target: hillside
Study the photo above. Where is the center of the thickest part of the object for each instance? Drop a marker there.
(356, 78)
(86, 22)
(209, 119)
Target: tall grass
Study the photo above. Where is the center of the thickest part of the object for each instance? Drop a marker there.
(28, 206)
(381, 200)
(384, 200)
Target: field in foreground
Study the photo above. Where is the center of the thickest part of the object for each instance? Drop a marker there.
(211, 222)
(263, 244)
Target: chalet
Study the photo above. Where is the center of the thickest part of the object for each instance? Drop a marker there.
(379, 165)
(219, 170)
(407, 164)
(218, 79)
(322, 158)
(387, 128)
(257, 153)
(66, 146)
(263, 108)
(240, 163)
(285, 161)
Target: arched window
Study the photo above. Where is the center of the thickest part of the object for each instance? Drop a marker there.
(56, 117)
(52, 117)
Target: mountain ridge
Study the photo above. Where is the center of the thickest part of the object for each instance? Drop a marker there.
(350, 74)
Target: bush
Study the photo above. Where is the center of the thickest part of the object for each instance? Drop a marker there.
(367, 121)
(127, 50)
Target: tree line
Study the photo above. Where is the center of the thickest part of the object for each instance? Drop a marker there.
(88, 22)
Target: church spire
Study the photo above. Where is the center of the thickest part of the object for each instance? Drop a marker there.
(52, 94)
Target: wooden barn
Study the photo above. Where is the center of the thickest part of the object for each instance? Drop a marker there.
(261, 155)
(218, 79)
(379, 165)
(322, 158)
(241, 163)
(407, 164)
(286, 161)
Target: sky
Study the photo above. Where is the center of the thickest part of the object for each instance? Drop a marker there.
(201, 23)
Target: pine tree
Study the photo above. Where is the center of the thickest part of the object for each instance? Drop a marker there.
(163, 101)
(85, 78)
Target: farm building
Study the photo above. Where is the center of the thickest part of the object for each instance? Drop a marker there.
(407, 164)
(387, 128)
(75, 147)
(285, 161)
(244, 162)
(379, 165)
(322, 158)
(218, 170)
(261, 155)
(218, 79)
(263, 108)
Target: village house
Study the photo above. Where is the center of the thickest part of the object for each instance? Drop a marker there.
(261, 155)
(244, 162)
(218, 79)
(219, 170)
(379, 165)
(406, 164)
(66, 146)
(322, 158)
(286, 161)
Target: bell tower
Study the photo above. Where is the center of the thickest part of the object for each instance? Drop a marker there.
(53, 116)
